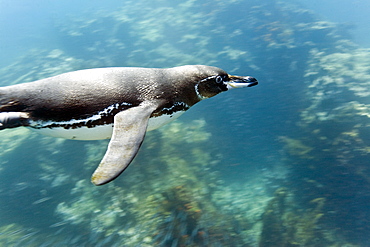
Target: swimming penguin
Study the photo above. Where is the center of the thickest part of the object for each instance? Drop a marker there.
(120, 103)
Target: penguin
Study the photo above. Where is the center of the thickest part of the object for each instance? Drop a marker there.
(118, 103)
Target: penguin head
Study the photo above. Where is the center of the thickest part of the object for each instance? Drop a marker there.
(220, 82)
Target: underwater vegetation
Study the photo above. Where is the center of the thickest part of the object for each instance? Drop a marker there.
(286, 225)
(335, 134)
(149, 206)
(313, 111)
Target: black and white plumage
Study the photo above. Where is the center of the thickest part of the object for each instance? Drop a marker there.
(119, 103)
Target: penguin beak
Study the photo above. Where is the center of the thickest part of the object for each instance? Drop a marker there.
(241, 81)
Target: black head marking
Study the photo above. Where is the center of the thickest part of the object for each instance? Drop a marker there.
(212, 85)
(216, 81)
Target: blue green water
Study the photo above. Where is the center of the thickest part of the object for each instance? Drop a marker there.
(284, 163)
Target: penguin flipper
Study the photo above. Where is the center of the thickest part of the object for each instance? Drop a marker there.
(128, 134)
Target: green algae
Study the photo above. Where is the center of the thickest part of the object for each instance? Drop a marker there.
(296, 147)
(335, 127)
(284, 225)
(273, 226)
(153, 191)
(334, 141)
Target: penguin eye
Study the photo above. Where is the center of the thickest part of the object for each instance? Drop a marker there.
(219, 79)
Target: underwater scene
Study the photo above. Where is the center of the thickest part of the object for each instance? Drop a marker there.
(285, 163)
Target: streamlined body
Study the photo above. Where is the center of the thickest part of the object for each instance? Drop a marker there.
(119, 103)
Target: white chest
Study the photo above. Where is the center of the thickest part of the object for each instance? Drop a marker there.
(101, 132)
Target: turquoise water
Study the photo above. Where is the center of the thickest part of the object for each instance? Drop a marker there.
(284, 163)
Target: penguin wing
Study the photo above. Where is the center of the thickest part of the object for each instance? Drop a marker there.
(128, 134)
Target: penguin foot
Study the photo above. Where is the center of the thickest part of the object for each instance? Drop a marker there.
(13, 119)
